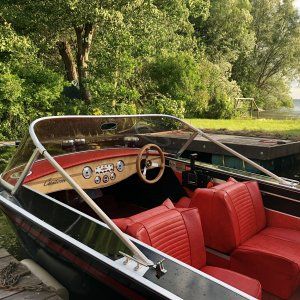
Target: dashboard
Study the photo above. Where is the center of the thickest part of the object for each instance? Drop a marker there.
(97, 174)
(98, 171)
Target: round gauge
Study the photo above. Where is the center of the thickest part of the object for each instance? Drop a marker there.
(87, 172)
(120, 165)
(113, 176)
(97, 179)
(105, 179)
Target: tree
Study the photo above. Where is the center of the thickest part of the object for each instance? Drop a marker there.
(27, 88)
(227, 31)
(71, 25)
(275, 58)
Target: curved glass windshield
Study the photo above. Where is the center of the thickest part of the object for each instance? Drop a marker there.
(69, 134)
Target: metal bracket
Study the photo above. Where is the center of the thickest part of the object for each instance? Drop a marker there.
(129, 258)
(132, 264)
(160, 269)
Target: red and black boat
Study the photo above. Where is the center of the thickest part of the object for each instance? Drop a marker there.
(113, 201)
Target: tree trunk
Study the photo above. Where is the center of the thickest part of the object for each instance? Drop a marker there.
(68, 60)
(84, 35)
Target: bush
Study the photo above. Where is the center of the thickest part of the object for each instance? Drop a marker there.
(163, 105)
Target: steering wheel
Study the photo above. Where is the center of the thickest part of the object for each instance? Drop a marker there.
(150, 156)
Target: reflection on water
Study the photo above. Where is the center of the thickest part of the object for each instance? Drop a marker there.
(283, 113)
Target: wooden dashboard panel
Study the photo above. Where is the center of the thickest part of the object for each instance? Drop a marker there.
(91, 175)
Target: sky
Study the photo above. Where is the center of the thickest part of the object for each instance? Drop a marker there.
(295, 87)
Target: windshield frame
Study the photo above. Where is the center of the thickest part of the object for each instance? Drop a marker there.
(41, 147)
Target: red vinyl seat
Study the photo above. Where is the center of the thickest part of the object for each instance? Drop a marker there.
(177, 232)
(234, 222)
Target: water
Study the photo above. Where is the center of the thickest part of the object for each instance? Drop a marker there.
(283, 113)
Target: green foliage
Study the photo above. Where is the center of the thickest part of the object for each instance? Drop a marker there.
(226, 34)
(28, 90)
(267, 71)
(186, 58)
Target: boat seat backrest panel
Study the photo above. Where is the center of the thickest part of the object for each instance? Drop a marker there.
(230, 214)
(176, 232)
(123, 223)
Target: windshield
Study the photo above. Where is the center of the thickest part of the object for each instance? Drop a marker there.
(69, 134)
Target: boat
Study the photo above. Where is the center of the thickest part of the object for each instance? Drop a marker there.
(119, 204)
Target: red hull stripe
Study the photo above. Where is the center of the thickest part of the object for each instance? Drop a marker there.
(67, 254)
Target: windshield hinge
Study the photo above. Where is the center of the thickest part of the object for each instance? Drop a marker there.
(141, 267)
(160, 269)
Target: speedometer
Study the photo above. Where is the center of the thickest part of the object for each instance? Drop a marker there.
(120, 165)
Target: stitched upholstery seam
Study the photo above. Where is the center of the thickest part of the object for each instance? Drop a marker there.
(170, 236)
(190, 248)
(163, 243)
(253, 207)
(168, 219)
(143, 227)
(236, 244)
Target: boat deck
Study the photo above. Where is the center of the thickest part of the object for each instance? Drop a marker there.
(251, 147)
(27, 287)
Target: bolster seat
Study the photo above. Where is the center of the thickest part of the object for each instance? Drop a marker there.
(177, 232)
(234, 223)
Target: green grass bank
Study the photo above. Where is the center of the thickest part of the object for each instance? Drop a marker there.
(282, 129)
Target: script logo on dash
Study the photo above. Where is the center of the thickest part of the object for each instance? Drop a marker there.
(52, 181)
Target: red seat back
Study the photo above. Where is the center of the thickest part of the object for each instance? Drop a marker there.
(230, 214)
(176, 232)
(123, 223)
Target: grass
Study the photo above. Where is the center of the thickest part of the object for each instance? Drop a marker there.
(289, 129)
(8, 239)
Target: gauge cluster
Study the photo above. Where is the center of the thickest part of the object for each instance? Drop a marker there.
(103, 173)
(91, 171)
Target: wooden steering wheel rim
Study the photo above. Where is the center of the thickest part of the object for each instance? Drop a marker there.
(161, 167)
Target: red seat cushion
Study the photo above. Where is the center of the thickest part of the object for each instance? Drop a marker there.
(273, 257)
(231, 213)
(123, 223)
(243, 283)
(176, 232)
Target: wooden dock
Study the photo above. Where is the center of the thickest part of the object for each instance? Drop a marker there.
(17, 282)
